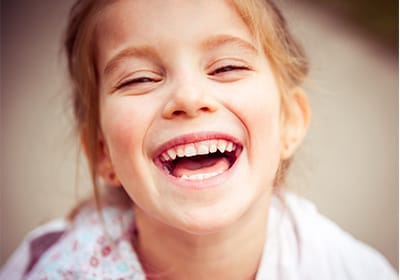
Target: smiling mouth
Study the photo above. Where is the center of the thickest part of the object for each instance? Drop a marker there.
(199, 160)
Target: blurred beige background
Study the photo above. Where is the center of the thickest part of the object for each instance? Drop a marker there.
(348, 165)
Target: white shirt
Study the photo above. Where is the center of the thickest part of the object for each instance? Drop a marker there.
(301, 244)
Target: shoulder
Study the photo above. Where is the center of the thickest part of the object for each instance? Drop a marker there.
(31, 248)
(326, 248)
(95, 244)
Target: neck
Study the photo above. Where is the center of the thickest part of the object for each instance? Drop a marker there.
(233, 253)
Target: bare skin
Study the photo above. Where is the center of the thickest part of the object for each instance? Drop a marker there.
(234, 253)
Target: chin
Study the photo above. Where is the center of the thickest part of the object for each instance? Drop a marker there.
(208, 221)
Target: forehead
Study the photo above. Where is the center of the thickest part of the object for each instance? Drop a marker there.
(166, 23)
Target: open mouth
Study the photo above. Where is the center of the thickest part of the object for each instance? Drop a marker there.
(200, 160)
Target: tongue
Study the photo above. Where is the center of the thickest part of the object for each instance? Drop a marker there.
(203, 165)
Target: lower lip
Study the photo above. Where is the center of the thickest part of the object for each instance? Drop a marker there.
(212, 182)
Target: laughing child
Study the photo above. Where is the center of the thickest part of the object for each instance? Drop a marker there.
(189, 112)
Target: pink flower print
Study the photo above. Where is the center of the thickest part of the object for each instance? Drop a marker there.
(101, 240)
(106, 251)
(94, 261)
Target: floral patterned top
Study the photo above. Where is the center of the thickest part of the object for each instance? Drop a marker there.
(301, 244)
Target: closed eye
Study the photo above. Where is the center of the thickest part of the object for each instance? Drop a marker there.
(228, 68)
(137, 81)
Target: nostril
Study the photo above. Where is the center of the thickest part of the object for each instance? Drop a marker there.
(205, 109)
(178, 113)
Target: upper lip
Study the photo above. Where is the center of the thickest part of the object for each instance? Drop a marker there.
(194, 138)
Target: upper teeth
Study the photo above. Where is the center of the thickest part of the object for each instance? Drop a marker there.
(198, 148)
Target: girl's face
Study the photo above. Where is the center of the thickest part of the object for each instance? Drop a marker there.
(189, 111)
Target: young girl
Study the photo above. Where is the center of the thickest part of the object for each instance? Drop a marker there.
(189, 112)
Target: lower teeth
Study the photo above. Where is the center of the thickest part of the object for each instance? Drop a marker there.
(200, 176)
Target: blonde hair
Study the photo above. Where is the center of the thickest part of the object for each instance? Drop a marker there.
(264, 21)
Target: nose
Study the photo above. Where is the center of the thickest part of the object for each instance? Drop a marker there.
(188, 100)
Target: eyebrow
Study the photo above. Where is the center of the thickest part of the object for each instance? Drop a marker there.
(137, 51)
(210, 43)
(219, 40)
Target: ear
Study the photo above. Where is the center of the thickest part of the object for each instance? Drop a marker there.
(104, 167)
(296, 119)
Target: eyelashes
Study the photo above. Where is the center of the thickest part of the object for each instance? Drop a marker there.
(140, 80)
(228, 68)
(144, 81)
(229, 73)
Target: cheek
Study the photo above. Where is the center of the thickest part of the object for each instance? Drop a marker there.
(257, 105)
(262, 119)
(124, 122)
